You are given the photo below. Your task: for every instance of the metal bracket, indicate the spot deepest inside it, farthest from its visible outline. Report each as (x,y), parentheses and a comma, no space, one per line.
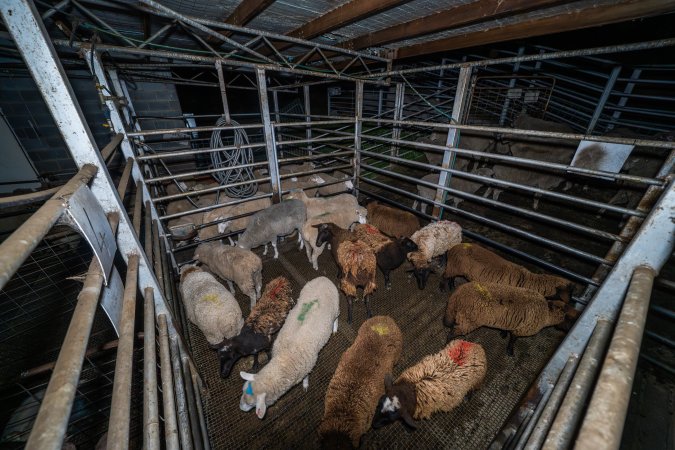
(85,214)
(111,299)
(601,156)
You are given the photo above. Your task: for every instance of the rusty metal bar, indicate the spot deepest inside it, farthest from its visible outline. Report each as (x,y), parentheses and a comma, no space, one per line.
(51,422)
(150,405)
(120,407)
(159,273)
(124,180)
(138,208)
(168,401)
(19,245)
(604,421)
(567,419)
(148,231)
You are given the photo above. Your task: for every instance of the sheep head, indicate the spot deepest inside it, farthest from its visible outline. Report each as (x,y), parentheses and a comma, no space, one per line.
(249,400)
(397,402)
(407,244)
(324,235)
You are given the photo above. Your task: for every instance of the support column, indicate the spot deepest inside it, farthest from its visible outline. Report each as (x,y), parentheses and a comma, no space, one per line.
(270,144)
(308,119)
(223,92)
(603,99)
(461,96)
(624,99)
(358,124)
(398,115)
(512,84)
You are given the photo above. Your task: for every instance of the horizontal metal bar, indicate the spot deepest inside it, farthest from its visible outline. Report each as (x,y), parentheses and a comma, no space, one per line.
(203,172)
(191,130)
(205,191)
(309,141)
(477,198)
(663,311)
(660,339)
(314,123)
(508,184)
(495,224)
(19,245)
(220,205)
(316,156)
(174,154)
(528,162)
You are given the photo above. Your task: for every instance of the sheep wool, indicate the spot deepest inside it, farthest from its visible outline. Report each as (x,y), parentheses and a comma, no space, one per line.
(521,311)
(442,380)
(476,263)
(209,305)
(359,266)
(371,236)
(269,313)
(392,221)
(356,386)
(296,349)
(433,240)
(224,212)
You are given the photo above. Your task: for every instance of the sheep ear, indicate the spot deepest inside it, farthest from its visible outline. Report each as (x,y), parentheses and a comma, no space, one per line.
(388,382)
(260,406)
(247,376)
(407,419)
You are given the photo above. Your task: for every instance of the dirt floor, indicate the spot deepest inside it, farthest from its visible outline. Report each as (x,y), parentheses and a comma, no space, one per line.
(293,420)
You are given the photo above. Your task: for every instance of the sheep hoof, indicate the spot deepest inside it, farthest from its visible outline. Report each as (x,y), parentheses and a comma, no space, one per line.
(305,383)
(335,326)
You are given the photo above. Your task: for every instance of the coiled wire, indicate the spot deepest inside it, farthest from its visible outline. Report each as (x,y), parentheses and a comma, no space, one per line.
(231,158)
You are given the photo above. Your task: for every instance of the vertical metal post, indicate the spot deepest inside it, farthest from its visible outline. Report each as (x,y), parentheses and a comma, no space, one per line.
(192,405)
(138,208)
(159,273)
(624,99)
(398,115)
(200,410)
(308,119)
(272,162)
(461,97)
(512,84)
(380,97)
(603,424)
(148,232)
(223,91)
(603,98)
(120,407)
(181,402)
(168,400)
(358,124)
(150,406)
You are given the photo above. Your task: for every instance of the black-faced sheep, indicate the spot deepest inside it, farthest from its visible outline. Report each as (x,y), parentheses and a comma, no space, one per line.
(392,221)
(209,305)
(518,311)
(233,264)
(356,386)
(433,240)
(476,263)
(439,382)
(265,319)
(274,221)
(389,253)
(296,349)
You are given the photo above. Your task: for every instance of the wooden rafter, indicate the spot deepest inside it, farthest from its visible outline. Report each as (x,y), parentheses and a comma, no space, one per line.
(582,17)
(245,12)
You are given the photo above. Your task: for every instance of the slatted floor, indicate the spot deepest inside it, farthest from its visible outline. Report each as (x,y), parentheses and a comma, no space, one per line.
(292,422)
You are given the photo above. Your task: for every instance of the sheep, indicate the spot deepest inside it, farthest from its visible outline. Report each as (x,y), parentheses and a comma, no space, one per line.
(439,382)
(343,219)
(389,253)
(457,183)
(233,264)
(476,263)
(296,349)
(265,319)
(335,187)
(517,311)
(356,261)
(321,205)
(466,141)
(392,221)
(356,386)
(209,305)
(270,223)
(433,240)
(224,212)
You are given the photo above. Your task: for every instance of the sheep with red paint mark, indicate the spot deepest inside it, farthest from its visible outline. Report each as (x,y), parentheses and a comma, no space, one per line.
(439,382)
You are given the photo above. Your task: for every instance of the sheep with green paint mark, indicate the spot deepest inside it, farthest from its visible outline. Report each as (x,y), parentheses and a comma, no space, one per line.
(296,349)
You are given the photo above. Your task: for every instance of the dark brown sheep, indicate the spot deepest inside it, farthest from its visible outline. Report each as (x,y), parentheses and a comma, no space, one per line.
(392,221)
(356,386)
(476,263)
(358,267)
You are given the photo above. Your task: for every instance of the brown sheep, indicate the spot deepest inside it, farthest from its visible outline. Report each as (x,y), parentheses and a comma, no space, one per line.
(392,221)
(518,311)
(358,266)
(439,382)
(371,236)
(476,263)
(356,386)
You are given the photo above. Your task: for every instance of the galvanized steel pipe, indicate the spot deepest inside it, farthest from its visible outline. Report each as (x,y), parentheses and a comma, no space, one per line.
(184,430)
(150,405)
(168,400)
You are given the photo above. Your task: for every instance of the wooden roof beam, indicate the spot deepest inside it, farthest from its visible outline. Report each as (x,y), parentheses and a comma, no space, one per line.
(245,12)
(458,16)
(578,18)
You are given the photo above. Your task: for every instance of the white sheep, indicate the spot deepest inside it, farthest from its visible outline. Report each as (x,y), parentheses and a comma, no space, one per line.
(270,223)
(457,183)
(321,205)
(433,240)
(296,349)
(209,305)
(231,226)
(335,186)
(233,264)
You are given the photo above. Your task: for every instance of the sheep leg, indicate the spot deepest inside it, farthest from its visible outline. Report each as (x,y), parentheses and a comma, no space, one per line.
(265,251)
(366,300)
(535,203)
(231,241)
(335,326)
(231,286)
(414,205)
(510,345)
(423,208)
(253,300)
(305,383)
(349,310)
(387,281)
(300,240)
(256,366)
(276,252)
(503,334)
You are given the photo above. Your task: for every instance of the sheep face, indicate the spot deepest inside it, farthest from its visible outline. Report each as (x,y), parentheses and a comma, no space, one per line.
(228,355)
(392,405)
(324,234)
(407,245)
(249,400)
(246,343)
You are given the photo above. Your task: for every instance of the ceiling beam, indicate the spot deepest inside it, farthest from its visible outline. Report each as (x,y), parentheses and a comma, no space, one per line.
(458,16)
(245,12)
(578,18)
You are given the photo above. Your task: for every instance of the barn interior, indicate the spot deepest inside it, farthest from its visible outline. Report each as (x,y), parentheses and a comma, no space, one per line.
(134,131)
